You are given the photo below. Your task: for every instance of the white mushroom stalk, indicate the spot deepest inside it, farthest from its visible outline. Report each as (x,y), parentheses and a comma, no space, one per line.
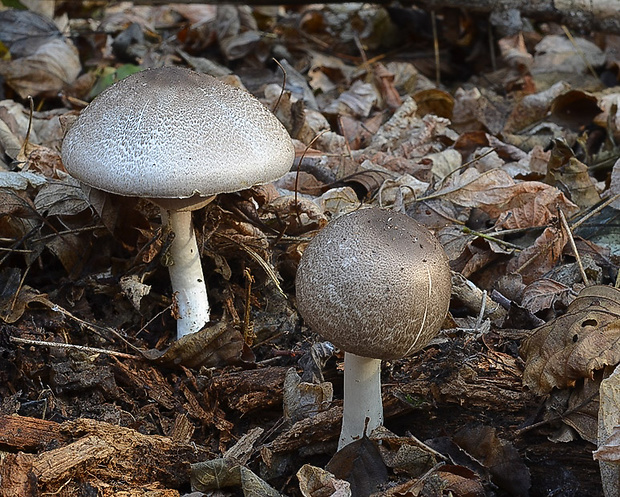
(186,276)
(363,407)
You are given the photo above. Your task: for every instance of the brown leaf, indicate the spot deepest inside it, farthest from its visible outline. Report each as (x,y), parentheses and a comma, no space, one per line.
(24,31)
(215,345)
(515,52)
(574,109)
(53,66)
(556,53)
(533,108)
(499,456)
(582,409)
(609,451)
(358,100)
(434,101)
(221,473)
(574,345)
(477,110)
(385,81)
(540,257)
(316,482)
(518,205)
(284,213)
(58,198)
(12,307)
(544,293)
(361,465)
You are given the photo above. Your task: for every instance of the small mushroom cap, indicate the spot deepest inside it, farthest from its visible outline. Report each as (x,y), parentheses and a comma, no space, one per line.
(375,283)
(174,133)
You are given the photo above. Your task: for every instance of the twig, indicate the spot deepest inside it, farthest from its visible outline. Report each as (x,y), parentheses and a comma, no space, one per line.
(19,287)
(464,166)
(483,306)
(491,238)
(556,417)
(261,262)
(248,332)
(436,49)
(298,170)
(94,328)
(579,51)
(596,211)
(277,104)
(571,240)
(81,348)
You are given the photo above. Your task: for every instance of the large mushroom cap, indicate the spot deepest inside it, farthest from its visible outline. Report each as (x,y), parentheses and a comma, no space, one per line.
(174,133)
(375,283)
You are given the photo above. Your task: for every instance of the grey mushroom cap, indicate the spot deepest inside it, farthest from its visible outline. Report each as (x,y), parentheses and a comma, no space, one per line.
(174,133)
(375,283)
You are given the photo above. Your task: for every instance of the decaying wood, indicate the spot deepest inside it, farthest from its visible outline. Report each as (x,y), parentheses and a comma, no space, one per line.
(107,456)
(22,433)
(323,427)
(246,391)
(472,297)
(596,15)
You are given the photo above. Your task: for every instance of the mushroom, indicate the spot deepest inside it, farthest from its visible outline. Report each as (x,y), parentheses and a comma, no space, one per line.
(177,138)
(377,285)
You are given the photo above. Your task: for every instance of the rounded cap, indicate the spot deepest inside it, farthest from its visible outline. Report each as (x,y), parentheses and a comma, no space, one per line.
(174,133)
(375,283)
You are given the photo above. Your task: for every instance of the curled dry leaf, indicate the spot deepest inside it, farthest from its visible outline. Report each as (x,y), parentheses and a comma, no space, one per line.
(358,100)
(609,450)
(53,66)
(405,455)
(614,187)
(295,217)
(434,101)
(541,257)
(574,109)
(361,464)
(499,456)
(574,345)
(476,110)
(544,294)
(533,108)
(385,81)
(213,346)
(582,408)
(608,436)
(316,482)
(221,473)
(556,53)
(518,205)
(13,306)
(304,399)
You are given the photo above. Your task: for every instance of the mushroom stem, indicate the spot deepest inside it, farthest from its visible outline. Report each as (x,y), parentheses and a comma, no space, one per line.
(188,282)
(363,407)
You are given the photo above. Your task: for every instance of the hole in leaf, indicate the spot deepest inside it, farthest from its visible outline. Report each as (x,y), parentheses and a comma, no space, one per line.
(589,322)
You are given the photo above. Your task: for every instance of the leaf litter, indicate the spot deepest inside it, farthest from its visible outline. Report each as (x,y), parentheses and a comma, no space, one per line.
(511,157)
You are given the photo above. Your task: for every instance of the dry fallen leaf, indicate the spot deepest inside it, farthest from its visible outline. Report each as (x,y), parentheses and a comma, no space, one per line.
(316,482)
(576,344)
(221,473)
(53,66)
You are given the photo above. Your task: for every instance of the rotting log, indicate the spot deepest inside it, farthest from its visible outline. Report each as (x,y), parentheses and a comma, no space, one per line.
(593,15)
(21,433)
(108,457)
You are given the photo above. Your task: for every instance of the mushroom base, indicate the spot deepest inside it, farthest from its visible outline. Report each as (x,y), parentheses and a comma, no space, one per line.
(363,406)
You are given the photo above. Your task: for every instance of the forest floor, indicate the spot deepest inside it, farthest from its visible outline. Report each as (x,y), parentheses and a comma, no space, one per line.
(499,135)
